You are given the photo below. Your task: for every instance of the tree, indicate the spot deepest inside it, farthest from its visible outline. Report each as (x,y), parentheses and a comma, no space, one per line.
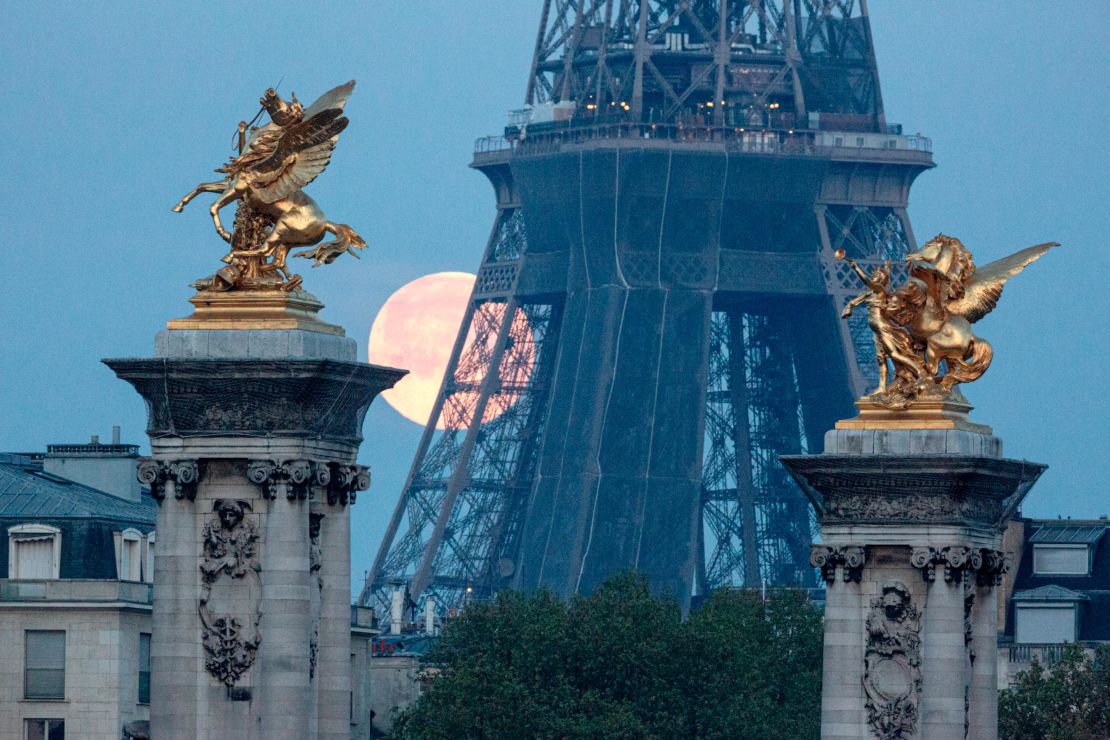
(1069,700)
(621,663)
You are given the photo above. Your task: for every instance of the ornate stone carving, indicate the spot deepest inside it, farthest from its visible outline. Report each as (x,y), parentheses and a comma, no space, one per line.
(230,640)
(996,564)
(184,473)
(895,508)
(298,476)
(827,557)
(315,561)
(892,667)
(959,562)
(345,482)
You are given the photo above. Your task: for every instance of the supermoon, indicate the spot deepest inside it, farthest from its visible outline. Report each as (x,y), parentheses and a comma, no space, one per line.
(416,330)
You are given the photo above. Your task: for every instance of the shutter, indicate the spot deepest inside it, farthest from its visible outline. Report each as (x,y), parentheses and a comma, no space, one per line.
(34,557)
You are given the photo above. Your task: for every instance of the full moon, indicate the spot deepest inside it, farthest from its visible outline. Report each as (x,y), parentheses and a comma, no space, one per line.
(416,329)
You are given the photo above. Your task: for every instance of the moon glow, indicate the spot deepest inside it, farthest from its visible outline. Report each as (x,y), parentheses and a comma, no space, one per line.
(416,329)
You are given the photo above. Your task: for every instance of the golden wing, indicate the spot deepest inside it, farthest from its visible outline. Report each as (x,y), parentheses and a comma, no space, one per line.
(334,98)
(982,293)
(304,149)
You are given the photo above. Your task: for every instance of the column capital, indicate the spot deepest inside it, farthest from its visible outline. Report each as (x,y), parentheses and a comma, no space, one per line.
(298,477)
(185,475)
(827,557)
(959,562)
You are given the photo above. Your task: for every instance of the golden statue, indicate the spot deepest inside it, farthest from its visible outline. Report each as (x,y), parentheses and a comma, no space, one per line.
(923,329)
(274,216)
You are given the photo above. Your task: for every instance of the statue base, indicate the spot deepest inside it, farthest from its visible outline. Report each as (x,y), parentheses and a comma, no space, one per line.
(950,412)
(256,309)
(911,551)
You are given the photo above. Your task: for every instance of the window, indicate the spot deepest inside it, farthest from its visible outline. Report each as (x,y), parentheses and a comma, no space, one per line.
(1059,559)
(1045,623)
(129,558)
(45,729)
(144,668)
(34,551)
(44,665)
(859,141)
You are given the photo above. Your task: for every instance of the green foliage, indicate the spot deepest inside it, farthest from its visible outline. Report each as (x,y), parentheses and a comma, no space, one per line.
(1069,700)
(621,663)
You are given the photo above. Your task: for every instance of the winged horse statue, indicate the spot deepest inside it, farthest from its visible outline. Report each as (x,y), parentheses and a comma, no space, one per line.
(924,327)
(274,215)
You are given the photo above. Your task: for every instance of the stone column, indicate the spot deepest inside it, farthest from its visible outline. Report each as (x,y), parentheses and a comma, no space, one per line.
(253,431)
(842,715)
(918,514)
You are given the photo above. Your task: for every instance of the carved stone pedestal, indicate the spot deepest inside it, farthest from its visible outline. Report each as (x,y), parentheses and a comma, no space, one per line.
(911,524)
(254,435)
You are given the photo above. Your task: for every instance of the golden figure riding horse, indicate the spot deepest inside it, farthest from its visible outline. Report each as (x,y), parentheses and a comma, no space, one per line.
(266,179)
(932,314)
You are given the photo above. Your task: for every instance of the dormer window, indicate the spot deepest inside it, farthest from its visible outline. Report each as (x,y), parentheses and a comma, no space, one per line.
(130,546)
(34,551)
(1065,548)
(1058,559)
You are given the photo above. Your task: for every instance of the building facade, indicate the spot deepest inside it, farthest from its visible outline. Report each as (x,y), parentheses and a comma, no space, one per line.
(1057,593)
(75,593)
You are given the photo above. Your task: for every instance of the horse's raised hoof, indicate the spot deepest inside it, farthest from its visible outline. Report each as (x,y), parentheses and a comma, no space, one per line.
(178,208)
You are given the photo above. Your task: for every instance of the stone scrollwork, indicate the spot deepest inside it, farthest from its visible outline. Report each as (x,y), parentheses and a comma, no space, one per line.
(892,669)
(299,476)
(996,564)
(229,609)
(185,475)
(827,557)
(959,562)
(345,482)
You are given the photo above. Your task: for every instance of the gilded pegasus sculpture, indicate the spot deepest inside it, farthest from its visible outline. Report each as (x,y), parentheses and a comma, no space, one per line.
(274,215)
(922,330)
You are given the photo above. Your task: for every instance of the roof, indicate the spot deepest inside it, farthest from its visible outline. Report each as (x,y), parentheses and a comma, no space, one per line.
(1069,532)
(1049,593)
(27,492)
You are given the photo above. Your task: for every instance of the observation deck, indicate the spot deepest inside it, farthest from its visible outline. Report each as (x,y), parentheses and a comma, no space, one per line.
(845,146)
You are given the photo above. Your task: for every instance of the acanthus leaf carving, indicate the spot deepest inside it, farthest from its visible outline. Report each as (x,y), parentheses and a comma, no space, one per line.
(345,482)
(959,562)
(185,475)
(827,557)
(298,476)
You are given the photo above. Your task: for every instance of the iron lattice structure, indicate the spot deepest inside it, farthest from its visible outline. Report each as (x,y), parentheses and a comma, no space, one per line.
(655,317)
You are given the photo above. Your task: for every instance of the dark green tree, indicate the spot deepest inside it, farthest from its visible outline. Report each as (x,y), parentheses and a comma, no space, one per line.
(621,663)
(1069,700)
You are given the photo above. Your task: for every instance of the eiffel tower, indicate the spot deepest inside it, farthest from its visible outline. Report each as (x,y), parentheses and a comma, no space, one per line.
(656,315)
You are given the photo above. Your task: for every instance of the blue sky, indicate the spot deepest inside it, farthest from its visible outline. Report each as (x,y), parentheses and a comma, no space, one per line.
(111,112)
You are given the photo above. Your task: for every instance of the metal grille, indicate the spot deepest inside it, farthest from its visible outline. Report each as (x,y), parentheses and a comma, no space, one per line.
(756,526)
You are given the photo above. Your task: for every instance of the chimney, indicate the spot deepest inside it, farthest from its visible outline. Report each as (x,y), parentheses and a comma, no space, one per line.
(109,468)
(429,616)
(397,611)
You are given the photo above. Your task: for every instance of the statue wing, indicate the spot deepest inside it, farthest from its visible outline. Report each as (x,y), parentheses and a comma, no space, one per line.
(304,150)
(301,155)
(334,98)
(982,293)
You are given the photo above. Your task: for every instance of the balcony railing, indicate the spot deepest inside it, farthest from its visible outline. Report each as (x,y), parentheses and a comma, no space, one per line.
(734,139)
(1047,653)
